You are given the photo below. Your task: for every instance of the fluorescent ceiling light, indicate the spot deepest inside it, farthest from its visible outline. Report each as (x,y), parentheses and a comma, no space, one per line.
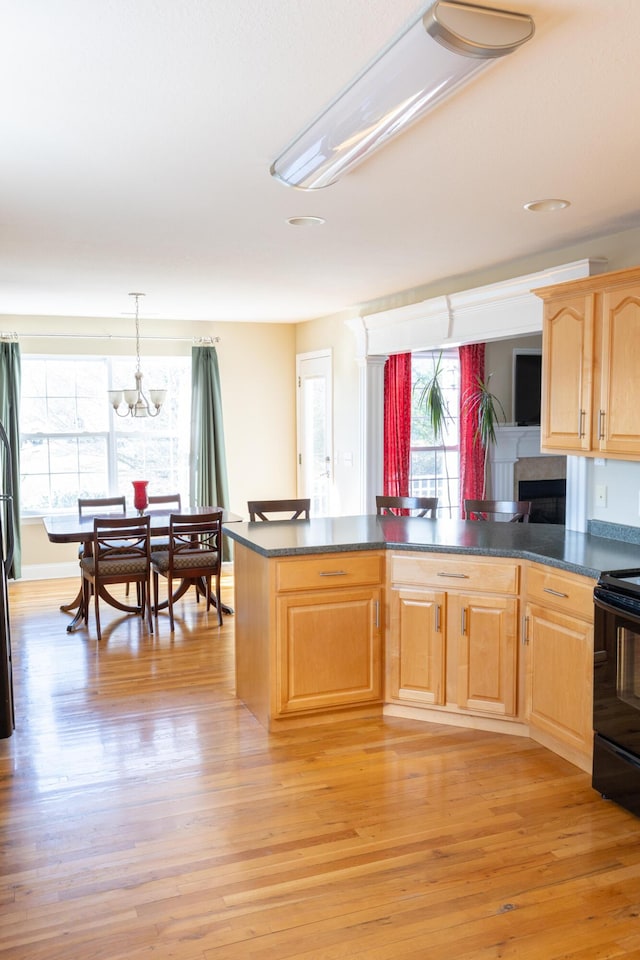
(435,55)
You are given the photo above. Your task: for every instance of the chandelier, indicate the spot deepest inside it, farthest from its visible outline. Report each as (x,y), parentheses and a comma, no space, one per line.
(137,403)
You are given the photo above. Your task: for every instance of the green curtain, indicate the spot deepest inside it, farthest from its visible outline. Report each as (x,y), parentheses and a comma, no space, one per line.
(9,417)
(208,462)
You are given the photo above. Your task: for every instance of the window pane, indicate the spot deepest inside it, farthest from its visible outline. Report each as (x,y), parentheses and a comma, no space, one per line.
(72,444)
(435,468)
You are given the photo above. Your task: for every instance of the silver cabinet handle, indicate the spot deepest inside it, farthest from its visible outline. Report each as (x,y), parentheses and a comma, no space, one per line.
(377,606)
(555,593)
(463,621)
(457,576)
(333,573)
(525,630)
(601,425)
(581,415)
(437,618)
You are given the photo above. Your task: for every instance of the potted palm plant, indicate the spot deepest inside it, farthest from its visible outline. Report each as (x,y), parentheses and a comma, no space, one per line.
(486,411)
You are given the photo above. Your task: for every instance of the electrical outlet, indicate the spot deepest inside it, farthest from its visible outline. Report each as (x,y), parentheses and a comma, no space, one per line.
(601,495)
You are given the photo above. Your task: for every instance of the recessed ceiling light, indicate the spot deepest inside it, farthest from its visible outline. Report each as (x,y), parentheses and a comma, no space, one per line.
(305,221)
(546,206)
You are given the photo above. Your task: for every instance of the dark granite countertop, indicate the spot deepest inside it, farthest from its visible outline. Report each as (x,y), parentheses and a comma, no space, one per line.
(581,553)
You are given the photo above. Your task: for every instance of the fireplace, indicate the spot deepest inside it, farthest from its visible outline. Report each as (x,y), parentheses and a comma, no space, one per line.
(548,499)
(517,464)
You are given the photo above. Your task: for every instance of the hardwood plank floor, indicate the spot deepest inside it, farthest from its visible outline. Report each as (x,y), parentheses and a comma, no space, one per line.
(146,814)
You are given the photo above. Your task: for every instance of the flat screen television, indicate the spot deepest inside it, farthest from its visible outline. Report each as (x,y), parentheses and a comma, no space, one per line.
(527,380)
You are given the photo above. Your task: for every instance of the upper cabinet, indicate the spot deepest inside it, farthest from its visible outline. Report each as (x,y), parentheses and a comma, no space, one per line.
(591,366)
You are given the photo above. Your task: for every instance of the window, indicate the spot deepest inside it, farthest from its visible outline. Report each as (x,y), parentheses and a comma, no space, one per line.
(73,445)
(435,461)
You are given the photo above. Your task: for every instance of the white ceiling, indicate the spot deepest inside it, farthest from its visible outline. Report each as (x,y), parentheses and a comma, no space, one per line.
(137,138)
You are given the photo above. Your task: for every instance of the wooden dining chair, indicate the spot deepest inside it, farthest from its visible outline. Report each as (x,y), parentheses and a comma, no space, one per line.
(120,554)
(99,507)
(298,509)
(417,506)
(510,511)
(194,557)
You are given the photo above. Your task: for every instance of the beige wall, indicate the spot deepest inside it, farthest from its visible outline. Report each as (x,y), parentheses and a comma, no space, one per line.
(257,373)
(333,334)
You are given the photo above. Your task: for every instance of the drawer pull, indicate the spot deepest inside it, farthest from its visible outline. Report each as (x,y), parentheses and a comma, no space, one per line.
(456,576)
(333,573)
(555,593)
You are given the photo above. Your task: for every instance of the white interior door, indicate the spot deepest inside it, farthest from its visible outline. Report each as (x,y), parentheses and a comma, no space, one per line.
(315,430)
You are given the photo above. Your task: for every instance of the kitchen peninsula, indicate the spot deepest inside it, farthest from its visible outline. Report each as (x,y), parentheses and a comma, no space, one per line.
(487,625)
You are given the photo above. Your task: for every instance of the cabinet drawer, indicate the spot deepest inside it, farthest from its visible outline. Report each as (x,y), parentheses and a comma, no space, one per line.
(449,571)
(565,591)
(329,571)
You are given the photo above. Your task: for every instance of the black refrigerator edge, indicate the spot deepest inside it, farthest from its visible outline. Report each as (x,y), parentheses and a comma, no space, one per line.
(7,717)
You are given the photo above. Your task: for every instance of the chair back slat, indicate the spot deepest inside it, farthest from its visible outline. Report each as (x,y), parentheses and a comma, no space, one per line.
(89,506)
(120,537)
(509,511)
(298,509)
(166,500)
(407,506)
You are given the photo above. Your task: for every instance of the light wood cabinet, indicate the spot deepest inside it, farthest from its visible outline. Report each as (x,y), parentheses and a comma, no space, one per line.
(591,366)
(558,635)
(309,634)
(454,647)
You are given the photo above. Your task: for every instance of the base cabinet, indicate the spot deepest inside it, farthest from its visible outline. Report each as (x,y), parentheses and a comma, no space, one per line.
(329,649)
(309,634)
(558,635)
(453,649)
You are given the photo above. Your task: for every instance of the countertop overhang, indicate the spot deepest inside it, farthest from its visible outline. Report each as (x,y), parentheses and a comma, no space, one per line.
(550,544)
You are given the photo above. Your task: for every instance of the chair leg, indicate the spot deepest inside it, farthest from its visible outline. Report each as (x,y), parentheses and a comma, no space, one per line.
(97,609)
(145,598)
(218,600)
(170,593)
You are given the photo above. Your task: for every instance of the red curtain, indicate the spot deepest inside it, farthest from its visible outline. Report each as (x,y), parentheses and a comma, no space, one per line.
(397,425)
(471,454)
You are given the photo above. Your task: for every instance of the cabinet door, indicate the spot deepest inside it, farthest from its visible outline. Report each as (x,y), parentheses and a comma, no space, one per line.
(328,649)
(618,421)
(417,649)
(567,386)
(560,677)
(486,629)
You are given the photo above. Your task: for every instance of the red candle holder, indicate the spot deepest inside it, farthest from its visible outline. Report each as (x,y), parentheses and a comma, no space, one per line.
(140,498)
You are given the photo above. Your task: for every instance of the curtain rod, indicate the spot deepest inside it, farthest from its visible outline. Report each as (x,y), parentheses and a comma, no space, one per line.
(197,341)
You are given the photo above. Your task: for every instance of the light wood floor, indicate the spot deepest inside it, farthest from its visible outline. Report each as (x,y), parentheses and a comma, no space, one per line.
(146,815)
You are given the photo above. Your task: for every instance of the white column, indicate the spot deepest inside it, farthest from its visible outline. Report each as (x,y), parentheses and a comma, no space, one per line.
(576,510)
(371,430)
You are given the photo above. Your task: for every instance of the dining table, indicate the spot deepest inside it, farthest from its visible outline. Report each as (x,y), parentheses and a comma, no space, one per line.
(73,528)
